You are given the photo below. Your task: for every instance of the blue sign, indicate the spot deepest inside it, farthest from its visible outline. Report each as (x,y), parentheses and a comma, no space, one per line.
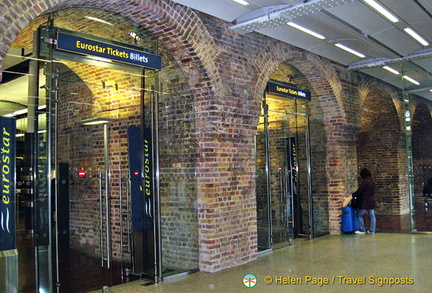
(288,91)
(86,46)
(7,184)
(141,174)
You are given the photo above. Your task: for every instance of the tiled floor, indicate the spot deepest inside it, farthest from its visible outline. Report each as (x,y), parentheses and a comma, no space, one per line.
(349,263)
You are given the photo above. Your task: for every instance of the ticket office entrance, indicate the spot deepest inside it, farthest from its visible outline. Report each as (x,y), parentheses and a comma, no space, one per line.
(284,200)
(86,118)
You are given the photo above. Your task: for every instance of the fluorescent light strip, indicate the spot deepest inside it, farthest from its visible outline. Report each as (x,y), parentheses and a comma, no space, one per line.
(394,71)
(384,12)
(411,80)
(305,30)
(416,36)
(98,20)
(354,52)
(242,2)
(95,122)
(23,111)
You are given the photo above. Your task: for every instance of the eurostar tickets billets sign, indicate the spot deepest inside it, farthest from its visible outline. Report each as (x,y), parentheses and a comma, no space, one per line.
(122,54)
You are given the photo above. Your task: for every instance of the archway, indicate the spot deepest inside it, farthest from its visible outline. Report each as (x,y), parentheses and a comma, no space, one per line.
(288,140)
(381,149)
(422,160)
(86,90)
(328,113)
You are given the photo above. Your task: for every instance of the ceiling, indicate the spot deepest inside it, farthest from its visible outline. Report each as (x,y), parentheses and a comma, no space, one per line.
(352,23)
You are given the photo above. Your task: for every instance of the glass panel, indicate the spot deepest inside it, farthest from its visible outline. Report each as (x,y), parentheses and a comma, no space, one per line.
(263,204)
(419,149)
(93,159)
(90,214)
(96,104)
(178,198)
(284,189)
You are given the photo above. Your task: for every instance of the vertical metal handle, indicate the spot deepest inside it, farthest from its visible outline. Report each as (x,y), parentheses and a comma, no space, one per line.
(107,199)
(101,246)
(292,190)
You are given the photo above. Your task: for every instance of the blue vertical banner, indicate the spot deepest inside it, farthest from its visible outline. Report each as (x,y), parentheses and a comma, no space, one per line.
(7,184)
(148,180)
(135,151)
(141,174)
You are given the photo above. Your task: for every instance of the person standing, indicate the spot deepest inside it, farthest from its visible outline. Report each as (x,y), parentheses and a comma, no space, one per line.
(366,192)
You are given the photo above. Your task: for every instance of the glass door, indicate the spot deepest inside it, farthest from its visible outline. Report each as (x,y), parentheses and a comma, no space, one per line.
(283,176)
(83,232)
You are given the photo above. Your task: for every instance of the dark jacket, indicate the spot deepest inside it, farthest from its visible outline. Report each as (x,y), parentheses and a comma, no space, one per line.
(367,191)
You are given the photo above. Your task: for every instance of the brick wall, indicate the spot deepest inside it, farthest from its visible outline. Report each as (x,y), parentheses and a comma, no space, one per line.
(381,148)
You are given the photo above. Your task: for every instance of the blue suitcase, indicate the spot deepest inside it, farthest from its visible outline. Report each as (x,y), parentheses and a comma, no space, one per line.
(349,220)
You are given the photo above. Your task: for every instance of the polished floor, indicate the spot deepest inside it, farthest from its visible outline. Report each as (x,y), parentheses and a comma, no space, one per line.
(383,262)
(349,263)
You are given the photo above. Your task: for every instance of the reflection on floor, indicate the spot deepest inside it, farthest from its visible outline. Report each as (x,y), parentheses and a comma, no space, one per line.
(79,272)
(83,273)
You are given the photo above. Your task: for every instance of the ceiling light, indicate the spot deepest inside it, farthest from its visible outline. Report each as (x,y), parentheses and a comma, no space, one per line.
(16,113)
(23,111)
(394,71)
(411,80)
(98,20)
(242,2)
(305,30)
(378,7)
(135,36)
(416,36)
(354,52)
(96,120)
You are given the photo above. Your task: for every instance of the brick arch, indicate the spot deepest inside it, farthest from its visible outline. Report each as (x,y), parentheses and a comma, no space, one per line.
(320,74)
(370,85)
(179,29)
(329,92)
(381,149)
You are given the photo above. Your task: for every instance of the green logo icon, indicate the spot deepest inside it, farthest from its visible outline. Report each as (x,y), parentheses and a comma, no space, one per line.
(249,280)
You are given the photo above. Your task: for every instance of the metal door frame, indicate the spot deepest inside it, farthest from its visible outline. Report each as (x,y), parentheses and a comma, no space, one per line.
(43,255)
(265,108)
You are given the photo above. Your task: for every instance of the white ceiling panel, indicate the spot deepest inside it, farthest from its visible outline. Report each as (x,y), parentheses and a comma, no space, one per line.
(223,9)
(295,37)
(350,22)
(398,41)
(361,17)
